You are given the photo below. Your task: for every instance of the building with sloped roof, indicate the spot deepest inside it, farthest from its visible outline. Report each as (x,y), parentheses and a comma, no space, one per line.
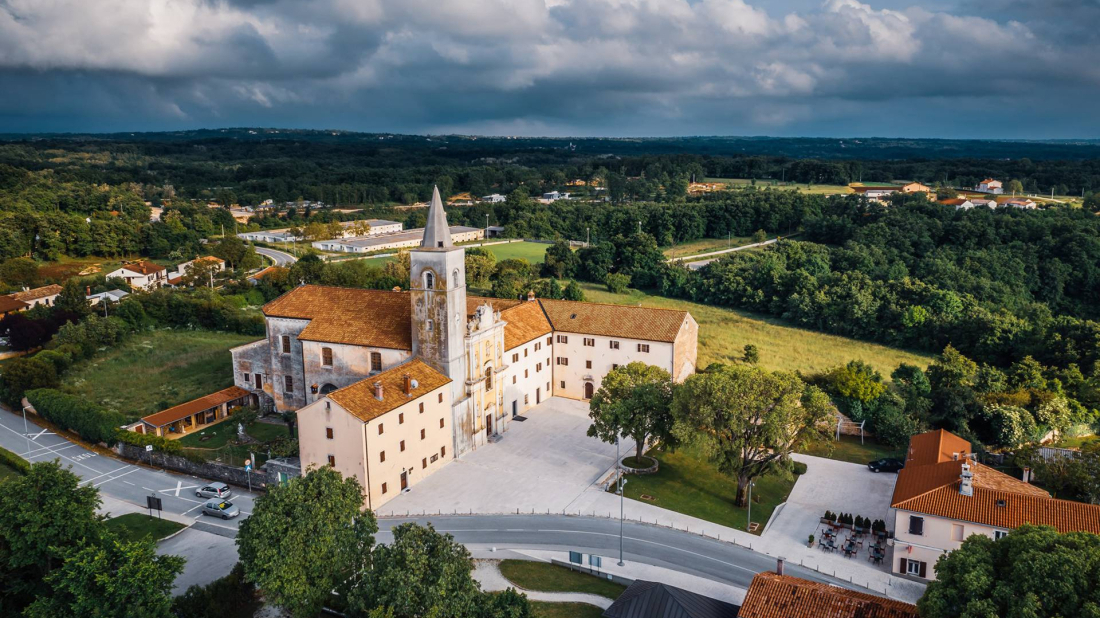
(476,363)
(645,599)
(943,495)
(772,595)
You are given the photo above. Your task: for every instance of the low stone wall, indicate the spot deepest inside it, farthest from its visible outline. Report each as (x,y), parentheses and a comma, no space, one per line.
(642,471)
(208,470)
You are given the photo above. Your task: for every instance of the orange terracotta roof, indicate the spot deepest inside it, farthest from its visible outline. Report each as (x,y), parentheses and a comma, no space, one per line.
(267,271)
(144,267)
(782,596)
(36,293)
(525,322)
(359,400)
(173,414)
(9,304)
(644,323)
(934,447)
(210,258)
(175,280)
(954,202)
(375,318)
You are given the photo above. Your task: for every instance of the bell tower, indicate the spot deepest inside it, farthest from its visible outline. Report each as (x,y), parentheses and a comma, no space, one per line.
(437,272)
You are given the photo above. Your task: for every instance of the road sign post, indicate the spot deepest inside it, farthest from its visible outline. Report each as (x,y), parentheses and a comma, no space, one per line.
(248,471)
(153,502)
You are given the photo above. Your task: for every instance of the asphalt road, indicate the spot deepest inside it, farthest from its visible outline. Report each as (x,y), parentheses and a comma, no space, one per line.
(280,258)
(118,479)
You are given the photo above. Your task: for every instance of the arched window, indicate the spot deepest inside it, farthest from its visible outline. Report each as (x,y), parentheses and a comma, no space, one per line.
(488,378)
(454,278)
(429,281)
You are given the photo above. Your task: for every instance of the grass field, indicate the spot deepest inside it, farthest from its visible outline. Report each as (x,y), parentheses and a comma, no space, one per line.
(723,334)
(66,267)
(136,526)
(804,188)
(687,483)
(156,370)
(849,449)
(7,472)
(220,434)
(533,252)
(543,609)
(706,245)
(546,577)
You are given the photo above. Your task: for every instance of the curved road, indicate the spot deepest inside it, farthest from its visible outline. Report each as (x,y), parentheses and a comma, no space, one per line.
(280,258)
(673,549)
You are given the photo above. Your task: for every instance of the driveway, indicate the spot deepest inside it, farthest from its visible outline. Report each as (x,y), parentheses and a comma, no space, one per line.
(540,465)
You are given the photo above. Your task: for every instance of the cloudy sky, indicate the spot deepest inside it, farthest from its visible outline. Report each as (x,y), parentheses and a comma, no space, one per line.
(920,68)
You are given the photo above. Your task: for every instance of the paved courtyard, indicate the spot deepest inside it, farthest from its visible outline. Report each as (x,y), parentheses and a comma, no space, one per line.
(542,464)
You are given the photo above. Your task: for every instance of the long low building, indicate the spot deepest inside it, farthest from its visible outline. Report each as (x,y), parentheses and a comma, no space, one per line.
(404,240)
(378,227)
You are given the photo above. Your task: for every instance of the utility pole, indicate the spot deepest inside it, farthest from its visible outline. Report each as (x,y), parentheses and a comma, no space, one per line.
(622,483)
(748,526)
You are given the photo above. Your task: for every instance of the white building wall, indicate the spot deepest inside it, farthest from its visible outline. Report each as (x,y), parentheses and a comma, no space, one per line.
(350,363)
(940,536)
(590,363)
(527,375)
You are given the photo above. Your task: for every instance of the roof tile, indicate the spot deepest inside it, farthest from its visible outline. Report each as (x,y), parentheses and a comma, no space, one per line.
(359,400)
(646,323)
(781,596)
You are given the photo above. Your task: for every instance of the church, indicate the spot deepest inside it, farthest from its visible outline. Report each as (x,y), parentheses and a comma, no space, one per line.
(389,386)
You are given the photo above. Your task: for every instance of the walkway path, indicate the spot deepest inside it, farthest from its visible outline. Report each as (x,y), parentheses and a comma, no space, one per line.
(695,262)
(488,574)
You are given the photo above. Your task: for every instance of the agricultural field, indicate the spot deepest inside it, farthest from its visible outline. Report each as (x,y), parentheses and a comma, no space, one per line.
(67,267)
(775,184)
(155,370)
(533,252)
(724,333)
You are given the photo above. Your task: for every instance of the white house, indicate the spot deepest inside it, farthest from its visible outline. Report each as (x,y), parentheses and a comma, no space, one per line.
(45,295)
(495,198)
(181,271)
(142,275)
(1021,203)
(991,186)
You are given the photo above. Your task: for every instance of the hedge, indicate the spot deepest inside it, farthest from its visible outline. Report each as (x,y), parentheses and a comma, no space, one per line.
(163,445)
(92,422)
(14,461)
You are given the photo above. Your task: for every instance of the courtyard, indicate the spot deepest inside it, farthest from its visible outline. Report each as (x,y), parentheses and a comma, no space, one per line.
(544,463)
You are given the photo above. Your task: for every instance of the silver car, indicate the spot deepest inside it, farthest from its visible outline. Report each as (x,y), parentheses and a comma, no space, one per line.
(220,508)
(214,490)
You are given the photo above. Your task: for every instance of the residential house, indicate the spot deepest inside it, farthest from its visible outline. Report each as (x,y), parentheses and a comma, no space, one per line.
(176,278)
(658,600)
(142,275)
(404,240)
(1020,202)
(553,196)
(943,495)
(11,305)
(45,295)
(980,202)
(916,187)
(958,203)
(875,193)
(774,595)
(178,421)
(991,186)
(495,198)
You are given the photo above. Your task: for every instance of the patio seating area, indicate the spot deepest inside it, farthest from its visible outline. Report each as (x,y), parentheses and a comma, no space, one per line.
(854,543)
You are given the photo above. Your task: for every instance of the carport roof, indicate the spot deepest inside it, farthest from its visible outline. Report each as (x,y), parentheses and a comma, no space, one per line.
(175,413)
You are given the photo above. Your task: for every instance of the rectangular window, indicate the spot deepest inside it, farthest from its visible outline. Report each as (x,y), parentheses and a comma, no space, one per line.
(916,525)
(525,373)
(376,361)
(614,345)
(380,428)
(402,446)
(400,418)
(326,357)
(549,340)
(328,432)
(286,344)
(247,377)
(421,434)
(441,423)
(435,457)
(513,379)
(591,343)
(587,364)
(956,532)
(442,451)
(421,407)
(538,366)
(515,357)
(440,397)
(526,400)
(563,361)
(643,347)
(332,461)
(524,352)
(999,534)
(259,381)
(383,488)
(424,463)
(563,383)
(288,384)
(382,456)
(914,567)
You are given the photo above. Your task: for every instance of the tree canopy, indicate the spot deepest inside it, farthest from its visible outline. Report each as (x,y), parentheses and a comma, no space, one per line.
(634,400)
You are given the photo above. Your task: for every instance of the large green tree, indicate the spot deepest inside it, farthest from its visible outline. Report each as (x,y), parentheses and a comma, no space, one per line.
(43,515)
(748,420)
(112,579)
(1034,572)
(303,539)
(633,400)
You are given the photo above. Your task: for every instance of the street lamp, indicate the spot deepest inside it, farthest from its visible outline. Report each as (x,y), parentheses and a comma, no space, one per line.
(749,524)
(622,485)
(26,431)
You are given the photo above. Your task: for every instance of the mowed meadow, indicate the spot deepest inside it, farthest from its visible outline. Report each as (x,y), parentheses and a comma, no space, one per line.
(724,333)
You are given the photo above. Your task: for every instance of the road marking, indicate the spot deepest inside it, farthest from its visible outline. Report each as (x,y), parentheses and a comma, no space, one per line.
(92,478)
(39,434)
(43,451)
(114,478)
(129,483)
(192,509)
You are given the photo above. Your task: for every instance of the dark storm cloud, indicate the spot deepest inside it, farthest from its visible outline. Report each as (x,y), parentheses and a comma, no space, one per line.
(981,68)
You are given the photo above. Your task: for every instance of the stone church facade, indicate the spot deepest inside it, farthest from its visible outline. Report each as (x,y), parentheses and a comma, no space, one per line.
(390,385)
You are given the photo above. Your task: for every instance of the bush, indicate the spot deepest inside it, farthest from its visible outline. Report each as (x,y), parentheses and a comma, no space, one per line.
(59,359)
(24,374)
(229,597)
(92,422)
(143,439)
(616,283)
(798,468)
(14,461)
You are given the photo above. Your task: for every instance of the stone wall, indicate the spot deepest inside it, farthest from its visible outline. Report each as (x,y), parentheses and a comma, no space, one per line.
(211,471)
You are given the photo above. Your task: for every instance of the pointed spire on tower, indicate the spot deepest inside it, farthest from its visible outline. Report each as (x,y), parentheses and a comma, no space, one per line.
(437,234)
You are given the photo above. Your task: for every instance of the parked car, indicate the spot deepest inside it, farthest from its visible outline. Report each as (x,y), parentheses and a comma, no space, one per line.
(214,490)
(220,508)
(888,464)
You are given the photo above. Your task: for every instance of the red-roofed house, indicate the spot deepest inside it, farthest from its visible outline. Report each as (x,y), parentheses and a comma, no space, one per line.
(991,186)
(943,496)
(141,275)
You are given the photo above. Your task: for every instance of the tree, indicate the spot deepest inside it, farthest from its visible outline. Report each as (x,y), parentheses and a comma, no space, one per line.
(25,374)
(1015,187)
(301,540)
(759,236)
(73,299)
(752,354)
(560,262)
(1034,572)
(480,264)
(633,400)
(857,381)
(310,268)
(43,515)
(616,283)
(747,420)
(19,272)
(111,579)
(573,291)
(201,273)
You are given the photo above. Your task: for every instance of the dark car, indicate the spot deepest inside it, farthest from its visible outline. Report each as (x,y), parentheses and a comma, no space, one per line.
(886,465)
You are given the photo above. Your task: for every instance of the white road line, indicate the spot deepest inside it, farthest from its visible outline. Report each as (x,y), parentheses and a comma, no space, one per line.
(115,478)
(192,509)
(61,456)
(32,454)
(129,483)
(39,434)
(92,478)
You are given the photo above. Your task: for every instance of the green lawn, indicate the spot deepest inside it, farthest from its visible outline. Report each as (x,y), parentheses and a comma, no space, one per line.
(1075,441)
(723,334)
(136,526)
(221,433)
(156,370)
(533,252)
(802,187)
(7,472)
(543,609)
(849,449)
(267,432)
(688,484)
(546,577)
(706,245)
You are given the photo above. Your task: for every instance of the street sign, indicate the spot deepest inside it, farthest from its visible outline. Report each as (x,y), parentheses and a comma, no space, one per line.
(148,448)
(151,503)
(575,557)
(595,561)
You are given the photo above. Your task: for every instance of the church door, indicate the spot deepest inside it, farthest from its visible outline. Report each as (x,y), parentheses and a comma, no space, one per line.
(404,480)
(488,425)
(538,395)
(515,408)
(588,390)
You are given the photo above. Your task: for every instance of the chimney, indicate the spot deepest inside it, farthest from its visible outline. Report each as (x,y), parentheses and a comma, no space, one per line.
(87,290)
(530,295)
(779,565)
(966,487)
(378,391)
(407,381)
(1027,475)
